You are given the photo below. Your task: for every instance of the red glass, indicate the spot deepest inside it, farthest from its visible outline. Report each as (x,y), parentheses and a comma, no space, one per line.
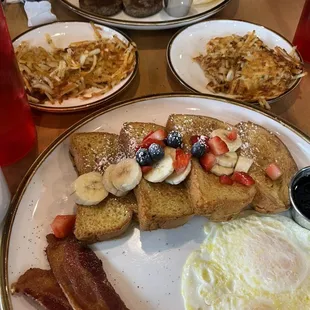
(17,130)
(302,35)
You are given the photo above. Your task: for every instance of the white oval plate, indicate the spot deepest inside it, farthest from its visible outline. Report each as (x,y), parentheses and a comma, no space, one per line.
(144,267)
(159,21)
(64,33)
(191,41)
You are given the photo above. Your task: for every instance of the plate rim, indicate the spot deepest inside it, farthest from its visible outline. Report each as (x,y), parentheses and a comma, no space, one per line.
(177,76)
(143,25)
(5,301)
(59,109)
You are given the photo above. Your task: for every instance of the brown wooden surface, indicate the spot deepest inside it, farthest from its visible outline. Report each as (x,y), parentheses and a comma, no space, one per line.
(154,76)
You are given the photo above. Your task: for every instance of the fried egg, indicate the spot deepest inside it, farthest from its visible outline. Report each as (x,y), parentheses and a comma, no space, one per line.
(252,263)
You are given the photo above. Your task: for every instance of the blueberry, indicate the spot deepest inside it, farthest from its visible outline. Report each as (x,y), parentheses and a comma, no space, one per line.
(174,139)
(156,152)
(143,157)
(198,149)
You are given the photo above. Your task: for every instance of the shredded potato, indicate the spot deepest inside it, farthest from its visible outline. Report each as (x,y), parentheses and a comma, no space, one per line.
(246,69)
(84,69)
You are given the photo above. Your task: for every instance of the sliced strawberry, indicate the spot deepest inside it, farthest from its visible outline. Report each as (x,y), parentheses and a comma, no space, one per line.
(217,146)
(182,160)
(196,138)
(148,135)
(233,134)
(207,161)
(273,171)
(63,225)
(159,134)
(146,169)
(147,142)
(243,178)
(225,179)
(153,137)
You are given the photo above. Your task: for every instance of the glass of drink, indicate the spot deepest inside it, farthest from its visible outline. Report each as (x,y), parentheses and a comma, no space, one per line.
(302,35)
(17,130)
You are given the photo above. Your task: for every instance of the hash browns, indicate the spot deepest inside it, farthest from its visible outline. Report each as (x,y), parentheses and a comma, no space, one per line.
(244,68)
(84,69)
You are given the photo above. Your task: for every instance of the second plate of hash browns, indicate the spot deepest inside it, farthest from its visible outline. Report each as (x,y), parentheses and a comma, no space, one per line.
(74,65)
(235,59)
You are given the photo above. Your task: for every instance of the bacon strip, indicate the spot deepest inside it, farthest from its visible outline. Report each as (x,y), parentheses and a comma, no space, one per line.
(42,286)
(80,274)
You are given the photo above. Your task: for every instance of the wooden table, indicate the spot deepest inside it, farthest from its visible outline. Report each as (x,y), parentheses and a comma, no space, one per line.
(154,76)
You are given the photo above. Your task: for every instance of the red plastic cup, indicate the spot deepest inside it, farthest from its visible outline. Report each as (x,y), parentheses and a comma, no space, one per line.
(17,130)
(302,35)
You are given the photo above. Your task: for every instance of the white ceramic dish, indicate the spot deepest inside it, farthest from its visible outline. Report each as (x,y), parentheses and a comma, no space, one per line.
(144,267)
(158,21)
(64,33)
(191,41)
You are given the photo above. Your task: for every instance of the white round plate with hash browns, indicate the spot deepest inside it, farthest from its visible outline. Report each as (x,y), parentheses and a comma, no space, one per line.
(62,34)
(191,42)
(144,267)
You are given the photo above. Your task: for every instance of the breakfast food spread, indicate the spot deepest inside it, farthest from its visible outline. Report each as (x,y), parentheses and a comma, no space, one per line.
(84,69)
(246,69)
(254,262)
(161,177)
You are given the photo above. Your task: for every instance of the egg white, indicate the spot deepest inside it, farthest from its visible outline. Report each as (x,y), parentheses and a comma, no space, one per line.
(252,263)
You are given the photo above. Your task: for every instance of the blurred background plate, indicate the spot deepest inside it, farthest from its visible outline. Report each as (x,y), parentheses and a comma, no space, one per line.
(158,21)
(64,33)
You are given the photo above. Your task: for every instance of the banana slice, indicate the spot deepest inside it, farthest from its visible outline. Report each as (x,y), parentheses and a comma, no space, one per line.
(126,175)
(170,151)
(227,160)
(219,170)
(108,183)
(233,146)
(175,178)
(161,170)
(89,189)
(243,164)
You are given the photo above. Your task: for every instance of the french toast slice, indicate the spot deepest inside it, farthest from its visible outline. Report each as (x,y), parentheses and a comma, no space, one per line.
(209,197)
(107,220)
(95,151)
(266,148)
(160,205)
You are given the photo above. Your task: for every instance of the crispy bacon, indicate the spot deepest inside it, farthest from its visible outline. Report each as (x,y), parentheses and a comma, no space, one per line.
(80,274)
(42,286)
